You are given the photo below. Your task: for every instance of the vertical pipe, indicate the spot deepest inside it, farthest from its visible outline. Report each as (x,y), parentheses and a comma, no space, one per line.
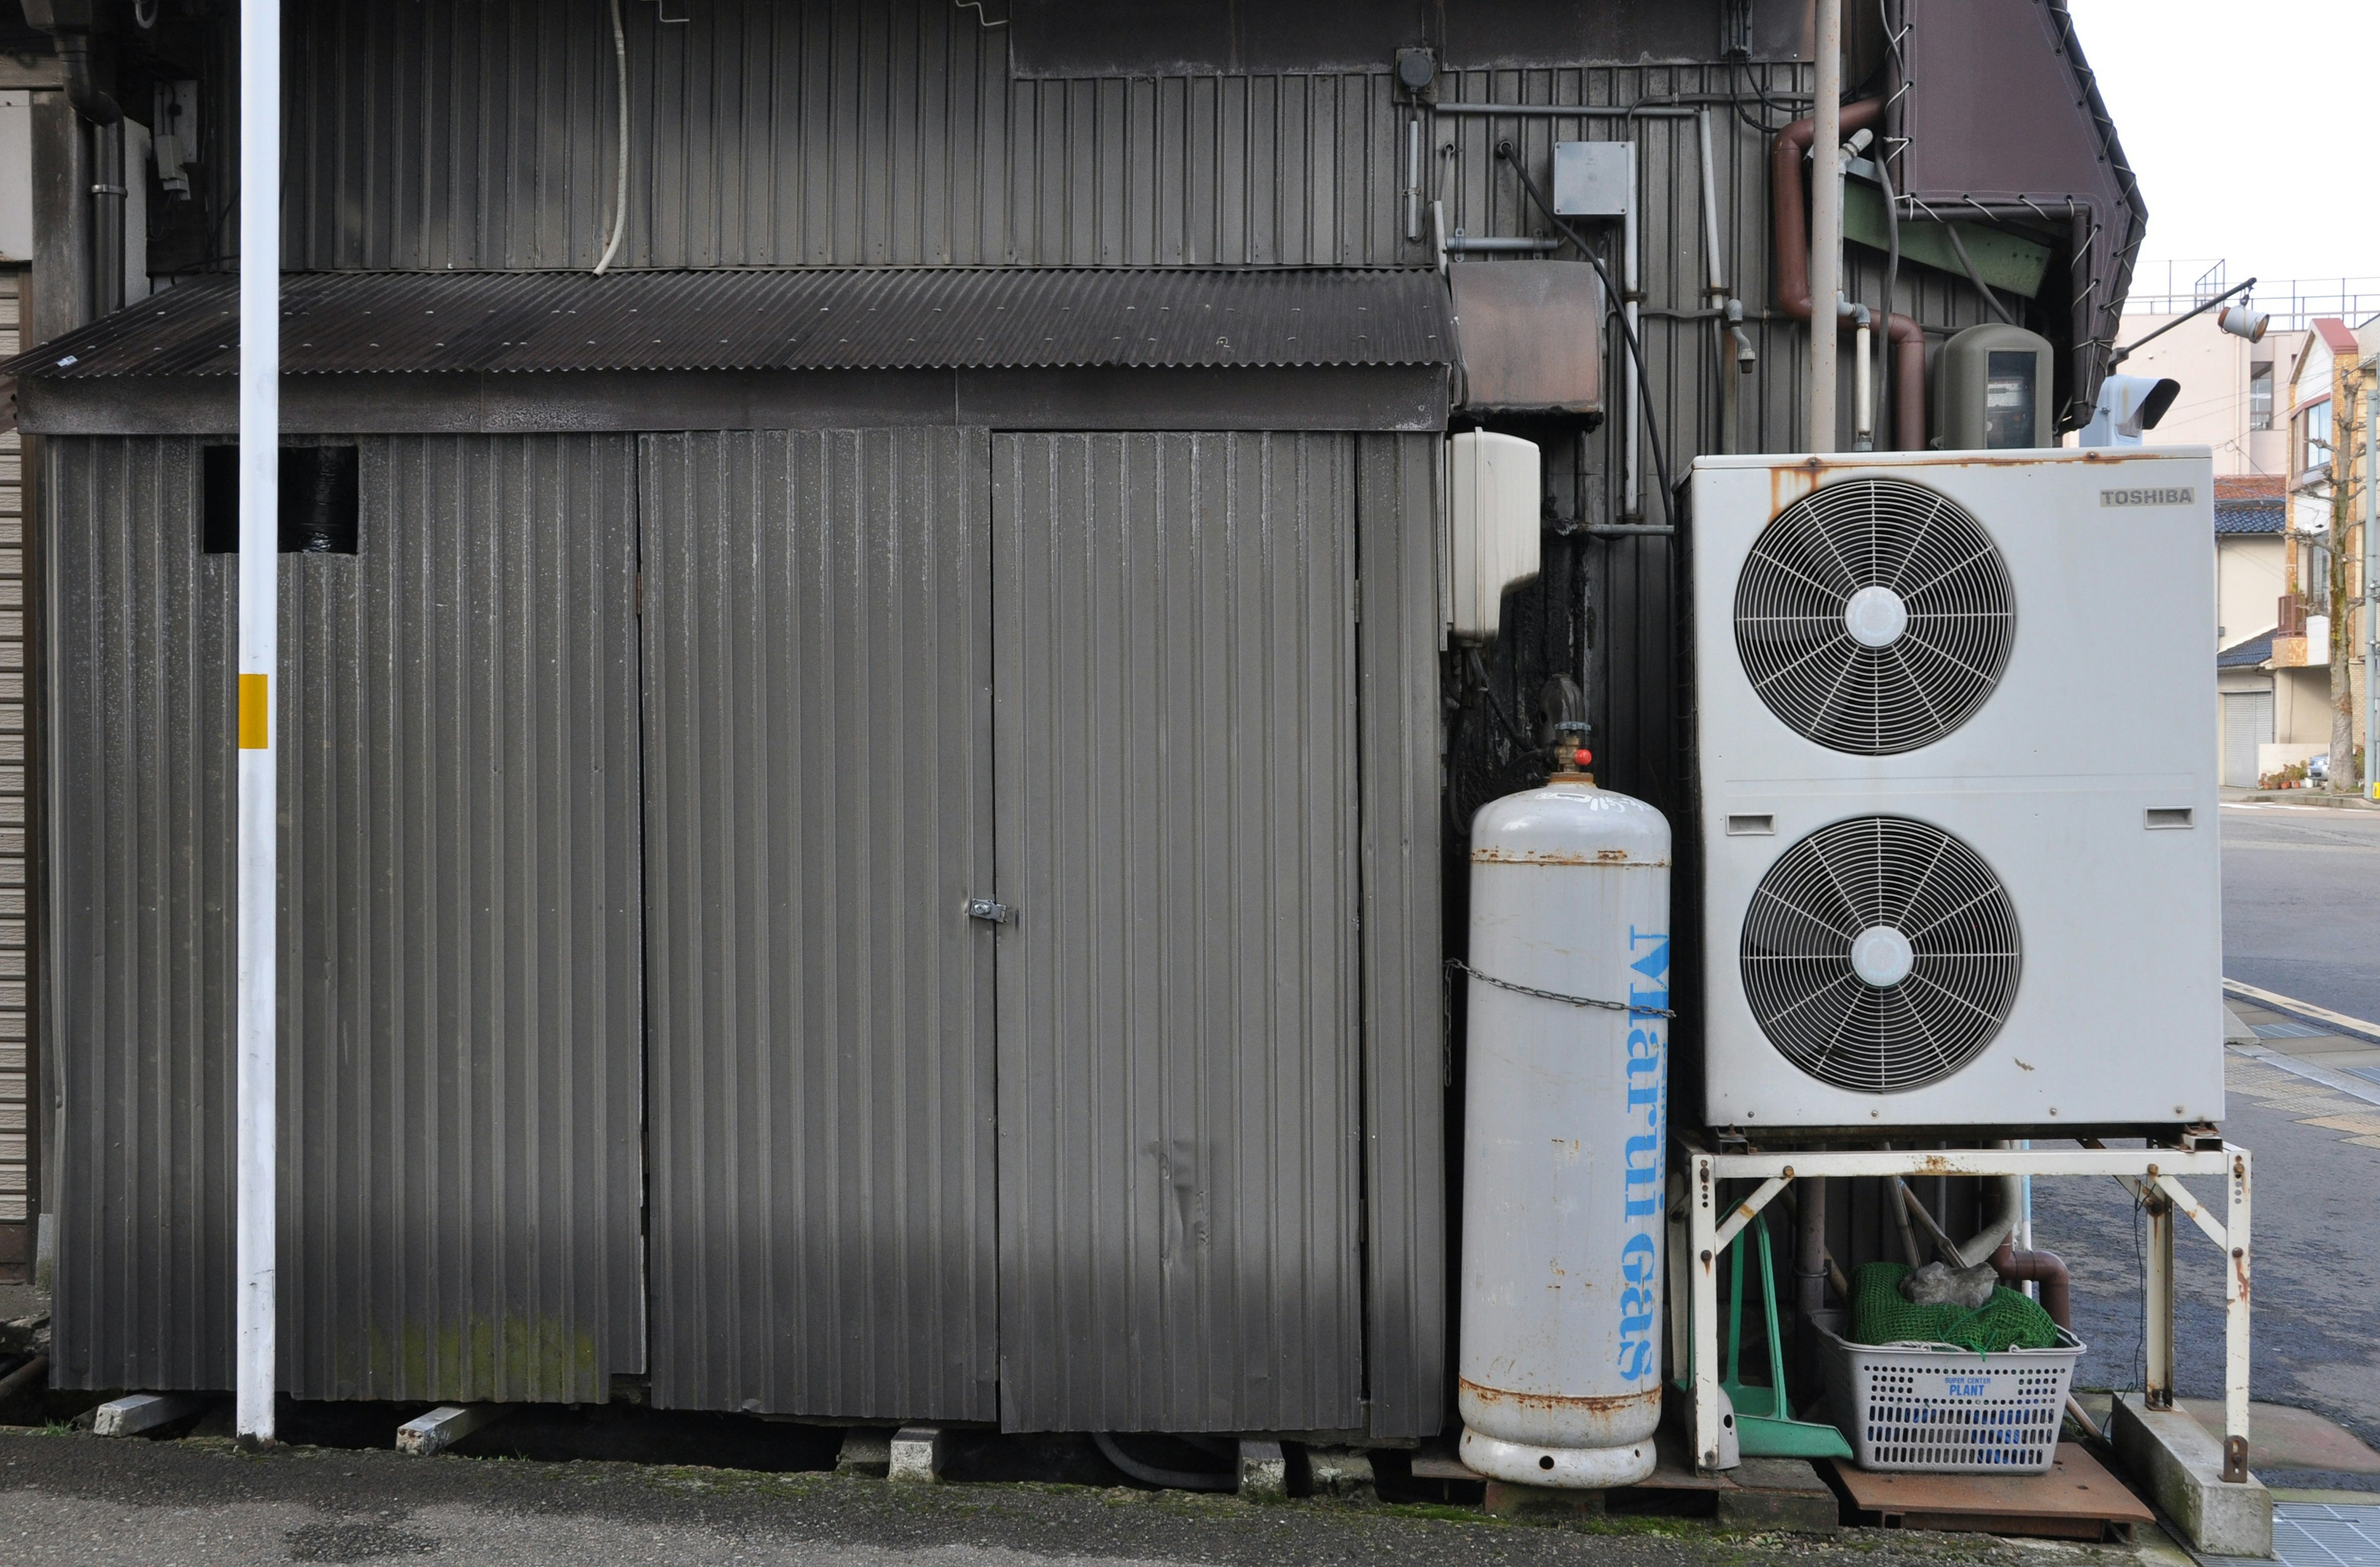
(1631,293)
(1715,295)
(2157,1302)
(1810,1273)
(1863,397)
(1413,176)
(1716,290)
(260,563)
(1825,225)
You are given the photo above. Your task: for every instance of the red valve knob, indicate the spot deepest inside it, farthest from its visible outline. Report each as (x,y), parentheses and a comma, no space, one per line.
(1585,755)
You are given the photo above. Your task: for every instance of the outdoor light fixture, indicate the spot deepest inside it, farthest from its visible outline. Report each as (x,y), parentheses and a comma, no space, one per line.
(2241,321)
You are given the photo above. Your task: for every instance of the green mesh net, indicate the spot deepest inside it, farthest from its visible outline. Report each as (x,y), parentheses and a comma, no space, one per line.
(1880,1316)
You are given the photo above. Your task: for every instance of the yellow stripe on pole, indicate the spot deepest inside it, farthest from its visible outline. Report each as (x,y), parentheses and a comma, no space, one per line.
(254,707)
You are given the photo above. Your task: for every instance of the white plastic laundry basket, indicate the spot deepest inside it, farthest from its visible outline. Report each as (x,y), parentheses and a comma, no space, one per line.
(1940,1409)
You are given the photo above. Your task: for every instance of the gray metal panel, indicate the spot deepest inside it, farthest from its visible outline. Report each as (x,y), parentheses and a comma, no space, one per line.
(818,766)
(142,962)
(1404,1061)
(454,134)
(1178,1076)
(462,991)
(849,319)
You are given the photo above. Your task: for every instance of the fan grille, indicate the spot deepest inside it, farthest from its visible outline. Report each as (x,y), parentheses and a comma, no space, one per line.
(1925,677)
(1892,874)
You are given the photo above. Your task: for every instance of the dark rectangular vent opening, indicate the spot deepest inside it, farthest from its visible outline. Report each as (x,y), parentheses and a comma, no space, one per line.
(321,500)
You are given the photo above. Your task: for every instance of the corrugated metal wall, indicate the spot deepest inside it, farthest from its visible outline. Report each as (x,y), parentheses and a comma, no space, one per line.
(462,1004)
(461,991)
(141,978)
(817,625)
(20,1150)
(450,134)
(1180,1105)
(1404,1107)
(832,133)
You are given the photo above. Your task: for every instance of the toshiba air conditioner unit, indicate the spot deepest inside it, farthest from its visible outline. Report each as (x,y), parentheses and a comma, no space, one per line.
(1955,721)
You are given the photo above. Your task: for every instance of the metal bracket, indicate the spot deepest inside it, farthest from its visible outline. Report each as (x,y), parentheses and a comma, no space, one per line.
(990,913)
(2235,1461)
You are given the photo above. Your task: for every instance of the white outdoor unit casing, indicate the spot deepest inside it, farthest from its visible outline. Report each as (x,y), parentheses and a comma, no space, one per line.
(1955,758)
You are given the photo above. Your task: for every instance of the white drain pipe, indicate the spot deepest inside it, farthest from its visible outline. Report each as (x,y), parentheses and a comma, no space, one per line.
(257,1240)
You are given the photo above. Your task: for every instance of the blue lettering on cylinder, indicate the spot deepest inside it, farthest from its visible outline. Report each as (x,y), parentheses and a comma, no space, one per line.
(1645,1160)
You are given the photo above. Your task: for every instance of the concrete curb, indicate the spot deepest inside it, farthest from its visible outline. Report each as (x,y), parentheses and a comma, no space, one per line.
(2316,797)
(2179,1462)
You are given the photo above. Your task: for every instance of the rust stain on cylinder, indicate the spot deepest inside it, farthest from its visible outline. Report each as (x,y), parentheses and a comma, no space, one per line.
(1608,1403)
(1616,859)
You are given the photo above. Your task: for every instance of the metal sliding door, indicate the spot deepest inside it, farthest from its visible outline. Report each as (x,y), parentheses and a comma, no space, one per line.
(1179,1087)
(816,632)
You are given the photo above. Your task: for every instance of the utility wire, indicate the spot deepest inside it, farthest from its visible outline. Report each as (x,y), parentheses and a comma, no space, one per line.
(620,193)
(1636,348)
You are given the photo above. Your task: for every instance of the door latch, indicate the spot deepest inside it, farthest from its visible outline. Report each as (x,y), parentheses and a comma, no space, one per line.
(989,912)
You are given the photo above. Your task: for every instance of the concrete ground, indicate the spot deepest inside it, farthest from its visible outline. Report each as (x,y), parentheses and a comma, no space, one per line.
(67,1498)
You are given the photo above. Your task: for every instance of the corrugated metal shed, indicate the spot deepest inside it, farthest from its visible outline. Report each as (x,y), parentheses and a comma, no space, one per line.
(908,319)
(817,633)
(1401,724)
(140,843)
(462,1005)
(1180,1086)
(462,930)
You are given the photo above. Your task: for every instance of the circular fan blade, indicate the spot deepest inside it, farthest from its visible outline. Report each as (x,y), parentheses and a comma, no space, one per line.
(1874,615)
(1880,954)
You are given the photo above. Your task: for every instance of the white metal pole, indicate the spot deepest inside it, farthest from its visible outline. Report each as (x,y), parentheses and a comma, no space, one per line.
(1825,225)
(260,563)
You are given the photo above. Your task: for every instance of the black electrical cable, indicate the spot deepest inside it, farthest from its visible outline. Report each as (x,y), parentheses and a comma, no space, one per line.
(1511,731)
(1628,333)
(1168,1479)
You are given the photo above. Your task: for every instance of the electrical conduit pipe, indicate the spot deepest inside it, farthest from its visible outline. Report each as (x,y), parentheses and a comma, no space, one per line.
(1787,198)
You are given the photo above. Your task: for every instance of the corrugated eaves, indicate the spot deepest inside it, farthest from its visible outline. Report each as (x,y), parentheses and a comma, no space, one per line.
(945,318)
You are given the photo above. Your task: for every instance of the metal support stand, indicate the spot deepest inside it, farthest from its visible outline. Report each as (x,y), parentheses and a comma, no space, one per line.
(2151,1174)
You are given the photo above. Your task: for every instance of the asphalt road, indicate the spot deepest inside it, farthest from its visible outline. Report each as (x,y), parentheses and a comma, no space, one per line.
(2300,911)
(73,1498)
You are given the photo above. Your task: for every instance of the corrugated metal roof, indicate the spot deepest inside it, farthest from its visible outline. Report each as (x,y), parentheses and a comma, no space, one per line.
(918,318)
(2256,515)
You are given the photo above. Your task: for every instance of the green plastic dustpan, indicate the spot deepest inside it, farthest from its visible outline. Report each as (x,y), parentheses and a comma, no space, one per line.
(1764,1427)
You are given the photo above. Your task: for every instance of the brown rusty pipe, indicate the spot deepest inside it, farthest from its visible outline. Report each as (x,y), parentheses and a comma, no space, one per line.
(2045,1268)
(32,1374)
(1786,196)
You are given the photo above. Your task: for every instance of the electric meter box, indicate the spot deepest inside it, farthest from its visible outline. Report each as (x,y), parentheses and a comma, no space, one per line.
(1991,384)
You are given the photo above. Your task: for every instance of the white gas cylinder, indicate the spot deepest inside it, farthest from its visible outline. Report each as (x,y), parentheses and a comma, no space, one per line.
(1565,1123)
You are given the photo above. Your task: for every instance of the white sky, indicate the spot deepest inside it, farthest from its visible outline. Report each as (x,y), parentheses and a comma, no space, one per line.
(2254,125)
